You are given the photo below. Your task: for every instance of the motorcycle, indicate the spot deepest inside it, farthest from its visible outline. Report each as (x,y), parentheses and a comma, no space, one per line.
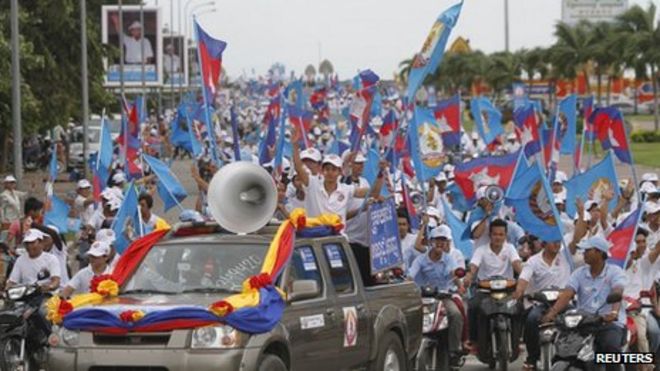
(433,354)
(23,343)
(500,309)
(574,343)
(548,331)
(635,307)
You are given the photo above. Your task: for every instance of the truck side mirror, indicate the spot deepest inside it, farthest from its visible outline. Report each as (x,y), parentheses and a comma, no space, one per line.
(303,289)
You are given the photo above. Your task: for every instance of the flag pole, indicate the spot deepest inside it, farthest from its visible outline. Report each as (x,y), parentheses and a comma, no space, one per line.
(632,160)
(639,218)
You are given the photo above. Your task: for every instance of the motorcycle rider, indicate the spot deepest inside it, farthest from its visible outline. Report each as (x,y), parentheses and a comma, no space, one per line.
(592,283)
(436,269)
(548,269)
(497,258)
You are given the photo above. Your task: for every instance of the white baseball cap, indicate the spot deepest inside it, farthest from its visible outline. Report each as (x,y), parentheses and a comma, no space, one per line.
(9,179)
(648,187)
(33,235)
(135,24)
(311,154)
(432,211)
(651,207)
(333,160)
(111,192)
(360,159)
(440,231)
(99,249)
(119,177)
(114,203)
(441,177)
(560,177)
(559,199)
(84,183)
(650,177)
(105,235)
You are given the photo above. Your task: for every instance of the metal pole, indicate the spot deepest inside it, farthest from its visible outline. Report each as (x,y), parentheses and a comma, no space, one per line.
(506,25)
(16,93)
(171,59)
(144,85)
(83,79)
(121,52)
(180,45)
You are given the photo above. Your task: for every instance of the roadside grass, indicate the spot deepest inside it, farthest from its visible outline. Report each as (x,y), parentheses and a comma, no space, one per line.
(646,154)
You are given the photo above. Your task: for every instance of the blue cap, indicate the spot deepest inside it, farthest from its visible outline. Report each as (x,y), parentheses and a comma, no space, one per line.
(595,242)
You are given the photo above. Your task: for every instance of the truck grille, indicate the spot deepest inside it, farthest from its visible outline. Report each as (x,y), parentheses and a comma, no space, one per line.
(126,368)
(132,339)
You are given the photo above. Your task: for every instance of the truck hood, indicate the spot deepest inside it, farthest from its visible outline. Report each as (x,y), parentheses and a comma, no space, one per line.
(151,302)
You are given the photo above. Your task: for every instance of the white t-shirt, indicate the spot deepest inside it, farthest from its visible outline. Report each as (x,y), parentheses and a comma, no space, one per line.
(134,49)
(491,264)
(292,201)
(171,63)
(81,280)
(61,256)
(640,275)
(28,271)
(97,219)
(458,256)
(541,276)
(86,213)
(318,201)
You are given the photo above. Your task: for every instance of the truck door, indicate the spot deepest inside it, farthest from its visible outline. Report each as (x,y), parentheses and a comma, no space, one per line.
(349,311)
(314,333)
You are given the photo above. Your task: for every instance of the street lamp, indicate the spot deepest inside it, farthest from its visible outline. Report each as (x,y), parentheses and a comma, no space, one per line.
(192,11)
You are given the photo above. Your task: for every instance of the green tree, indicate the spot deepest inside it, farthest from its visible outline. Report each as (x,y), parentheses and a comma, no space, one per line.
(572,51)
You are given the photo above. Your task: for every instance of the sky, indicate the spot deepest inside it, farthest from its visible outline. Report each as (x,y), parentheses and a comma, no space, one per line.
(359,34)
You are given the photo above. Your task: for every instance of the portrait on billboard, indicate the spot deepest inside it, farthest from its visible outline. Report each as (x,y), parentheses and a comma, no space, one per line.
(175,60)
(141,42)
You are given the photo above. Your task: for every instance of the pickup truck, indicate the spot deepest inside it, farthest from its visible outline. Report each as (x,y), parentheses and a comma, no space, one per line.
(331,320)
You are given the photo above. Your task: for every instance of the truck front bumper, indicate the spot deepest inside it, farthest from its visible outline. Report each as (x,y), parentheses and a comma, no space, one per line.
(90,359)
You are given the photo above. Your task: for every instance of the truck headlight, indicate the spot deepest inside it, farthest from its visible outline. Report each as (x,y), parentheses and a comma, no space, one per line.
(70,338)
(218,337)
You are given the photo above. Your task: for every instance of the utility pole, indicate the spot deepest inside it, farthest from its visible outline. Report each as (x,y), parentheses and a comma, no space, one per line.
(83,79)
(16,93)
(506,25)
(121,52)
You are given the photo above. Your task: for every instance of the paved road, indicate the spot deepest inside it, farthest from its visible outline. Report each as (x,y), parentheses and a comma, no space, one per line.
(472,364)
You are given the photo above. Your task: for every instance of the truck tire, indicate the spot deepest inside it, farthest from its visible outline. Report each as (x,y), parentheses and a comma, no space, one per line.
(272,363)
(391,356)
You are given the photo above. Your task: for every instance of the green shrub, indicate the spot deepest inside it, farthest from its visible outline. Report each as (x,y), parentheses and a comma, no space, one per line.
(645,136)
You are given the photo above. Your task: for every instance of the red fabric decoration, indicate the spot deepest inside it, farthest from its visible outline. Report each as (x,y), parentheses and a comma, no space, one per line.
(126,316)
(337,228)
(284,251)
(134,255)
(64,308)
(222,304)
(94,283)
(260,280)
(301,222)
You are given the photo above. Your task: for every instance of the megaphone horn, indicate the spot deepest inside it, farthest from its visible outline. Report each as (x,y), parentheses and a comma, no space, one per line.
(242,197)
(494,193)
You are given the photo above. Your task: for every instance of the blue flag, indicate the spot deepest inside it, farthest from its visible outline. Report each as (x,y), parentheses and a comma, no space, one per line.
(487,118)
(104,158)
(126,216)
(58,215)
(530,195)
(180,135)
(428,59)
(169,188)
(425,140)
(591,184)
(52,166)
(371,169)
(457,230)
(567,116)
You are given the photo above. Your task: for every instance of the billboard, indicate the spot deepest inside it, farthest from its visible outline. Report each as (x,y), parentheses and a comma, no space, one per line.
(573,11)
(142,43)
(175,61)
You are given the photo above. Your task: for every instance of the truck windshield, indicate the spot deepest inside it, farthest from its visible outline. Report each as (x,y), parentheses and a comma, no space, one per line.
(197,268)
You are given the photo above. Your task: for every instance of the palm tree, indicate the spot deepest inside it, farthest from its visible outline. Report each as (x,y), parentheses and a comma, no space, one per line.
(572,51)
(533,62)
(505,68)
(326,69)
(602,35)
(310,73)
(643,35)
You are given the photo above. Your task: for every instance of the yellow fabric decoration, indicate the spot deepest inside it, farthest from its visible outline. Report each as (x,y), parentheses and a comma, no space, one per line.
(108,288)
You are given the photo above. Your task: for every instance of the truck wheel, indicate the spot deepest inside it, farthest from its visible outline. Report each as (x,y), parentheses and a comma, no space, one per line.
(390,355)
(272,363)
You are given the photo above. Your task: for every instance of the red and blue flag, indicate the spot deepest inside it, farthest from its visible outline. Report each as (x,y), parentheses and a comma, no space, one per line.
(448,115)
(209,51)
(622,238)
(493,170)
(611,132)
(527,129)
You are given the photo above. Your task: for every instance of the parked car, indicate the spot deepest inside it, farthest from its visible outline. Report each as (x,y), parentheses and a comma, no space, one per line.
(76,158)
(332,321)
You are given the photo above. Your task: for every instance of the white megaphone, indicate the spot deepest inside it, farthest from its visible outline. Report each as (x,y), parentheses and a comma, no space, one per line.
(242,197)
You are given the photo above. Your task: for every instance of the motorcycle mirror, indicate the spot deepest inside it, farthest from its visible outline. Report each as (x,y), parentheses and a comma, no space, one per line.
(428,291)
(613,298)
(460,272)
(644,294)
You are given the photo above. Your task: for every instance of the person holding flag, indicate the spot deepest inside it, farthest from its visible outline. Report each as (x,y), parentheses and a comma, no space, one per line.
(11,200)
(150,221)
(84,201)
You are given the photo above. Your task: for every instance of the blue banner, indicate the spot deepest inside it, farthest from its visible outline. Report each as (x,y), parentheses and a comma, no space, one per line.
(384,242)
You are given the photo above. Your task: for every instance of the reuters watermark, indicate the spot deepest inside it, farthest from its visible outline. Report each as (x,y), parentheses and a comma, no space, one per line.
(625,358)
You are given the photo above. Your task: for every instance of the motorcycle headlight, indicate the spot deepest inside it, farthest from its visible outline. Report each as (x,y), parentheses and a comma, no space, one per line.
(498,284)
(551,295)
(572,321)
(586,353)
(70,338)
(216,337)
(16,293)
(428,316)
(499,295)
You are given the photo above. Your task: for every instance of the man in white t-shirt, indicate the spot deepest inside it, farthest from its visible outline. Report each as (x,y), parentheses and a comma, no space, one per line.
(548,269)
(357,224)
(84,202)
(98,265)
(35,266)
(135,43)
(325,194)
(497,258)
(411,243)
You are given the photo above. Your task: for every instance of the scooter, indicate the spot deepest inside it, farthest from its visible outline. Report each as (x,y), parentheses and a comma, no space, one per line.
(574,343)
(548,331)
(635,307)
(433,354)
(23,343)
(500,308)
